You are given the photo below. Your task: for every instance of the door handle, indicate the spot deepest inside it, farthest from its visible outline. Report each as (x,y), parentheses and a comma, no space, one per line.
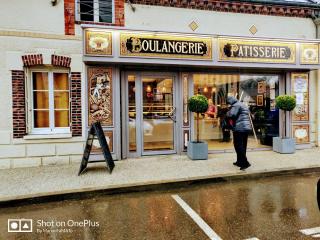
(172,114)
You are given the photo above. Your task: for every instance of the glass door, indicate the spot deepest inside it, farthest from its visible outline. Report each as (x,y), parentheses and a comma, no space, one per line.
(151,114)
(158,113)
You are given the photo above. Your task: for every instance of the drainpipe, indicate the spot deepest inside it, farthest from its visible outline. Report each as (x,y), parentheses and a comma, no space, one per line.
(317,24)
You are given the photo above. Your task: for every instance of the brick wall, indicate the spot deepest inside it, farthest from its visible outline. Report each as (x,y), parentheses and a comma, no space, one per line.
(69,17)
(18,104)
(32,60)
(60,61)
(119,12)
(76,118)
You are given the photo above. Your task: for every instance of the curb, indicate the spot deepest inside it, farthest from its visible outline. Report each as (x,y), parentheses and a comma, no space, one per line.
(168,185)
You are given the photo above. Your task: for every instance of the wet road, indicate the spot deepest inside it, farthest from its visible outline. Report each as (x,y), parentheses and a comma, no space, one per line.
(270,208)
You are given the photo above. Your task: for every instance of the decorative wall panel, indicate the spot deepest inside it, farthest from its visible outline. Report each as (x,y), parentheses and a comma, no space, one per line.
(100,99)
(301,133)
(300,89)
(96,148)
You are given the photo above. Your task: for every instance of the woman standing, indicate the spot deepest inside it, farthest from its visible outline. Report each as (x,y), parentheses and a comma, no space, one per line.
(239,113)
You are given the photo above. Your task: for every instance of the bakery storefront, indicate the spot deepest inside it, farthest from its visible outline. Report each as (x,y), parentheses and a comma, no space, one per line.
(138,84)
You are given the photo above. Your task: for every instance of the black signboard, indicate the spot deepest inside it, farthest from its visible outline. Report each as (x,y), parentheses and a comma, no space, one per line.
(257,51)
(166,46)
(96,132)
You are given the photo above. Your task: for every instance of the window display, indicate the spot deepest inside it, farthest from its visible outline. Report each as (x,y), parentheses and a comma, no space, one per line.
(256,91)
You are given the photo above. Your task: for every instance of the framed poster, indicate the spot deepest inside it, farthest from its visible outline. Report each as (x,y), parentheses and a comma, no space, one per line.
(100,96)
(261,87)
(300,89)
(259,100)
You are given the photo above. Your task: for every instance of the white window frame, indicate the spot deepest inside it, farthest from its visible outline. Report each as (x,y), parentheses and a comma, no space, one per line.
(51,129)
(96,11)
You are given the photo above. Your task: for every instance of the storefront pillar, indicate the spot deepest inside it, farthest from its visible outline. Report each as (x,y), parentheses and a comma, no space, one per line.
(318,109)
(317,23)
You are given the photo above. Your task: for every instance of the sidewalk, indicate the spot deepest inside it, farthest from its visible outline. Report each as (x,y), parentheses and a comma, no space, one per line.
(24,183)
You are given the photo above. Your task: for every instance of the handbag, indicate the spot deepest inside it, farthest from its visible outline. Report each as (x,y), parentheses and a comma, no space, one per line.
(231,122)
(228,123)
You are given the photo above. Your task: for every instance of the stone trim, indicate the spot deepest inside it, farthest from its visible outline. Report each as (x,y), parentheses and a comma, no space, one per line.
(233,6)
(76,111)
(60,61)
(18,103)
(32,60)
(39,35)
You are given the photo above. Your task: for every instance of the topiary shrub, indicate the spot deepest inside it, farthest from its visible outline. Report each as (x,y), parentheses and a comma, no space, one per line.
(198,104)
(285,102)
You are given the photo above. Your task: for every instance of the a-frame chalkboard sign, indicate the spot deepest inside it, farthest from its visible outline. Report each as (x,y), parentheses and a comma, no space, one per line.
(96,132)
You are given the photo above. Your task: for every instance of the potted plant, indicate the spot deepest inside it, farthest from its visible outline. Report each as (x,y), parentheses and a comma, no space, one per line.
(284,144)
(198,150)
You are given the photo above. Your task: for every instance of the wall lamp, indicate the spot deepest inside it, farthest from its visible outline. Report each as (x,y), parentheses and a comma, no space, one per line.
(54,2)
(131,6)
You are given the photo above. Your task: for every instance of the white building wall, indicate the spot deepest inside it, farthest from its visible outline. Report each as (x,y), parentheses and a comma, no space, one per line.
(32,15)
(155,18)
(21,152)
(28,27)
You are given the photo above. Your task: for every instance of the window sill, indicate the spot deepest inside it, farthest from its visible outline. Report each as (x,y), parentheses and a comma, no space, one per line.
(47,136)
(95,23)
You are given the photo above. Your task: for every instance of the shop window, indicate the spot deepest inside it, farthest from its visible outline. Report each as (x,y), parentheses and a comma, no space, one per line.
(49,102)
(258,92)
(95,10)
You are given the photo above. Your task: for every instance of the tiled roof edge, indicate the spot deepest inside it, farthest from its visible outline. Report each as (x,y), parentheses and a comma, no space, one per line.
(249,6)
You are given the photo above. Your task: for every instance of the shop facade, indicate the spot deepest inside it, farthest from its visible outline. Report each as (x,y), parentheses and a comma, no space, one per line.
(63,69)
(146,78)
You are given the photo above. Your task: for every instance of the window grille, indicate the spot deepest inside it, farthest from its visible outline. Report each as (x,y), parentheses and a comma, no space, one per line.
(95,10)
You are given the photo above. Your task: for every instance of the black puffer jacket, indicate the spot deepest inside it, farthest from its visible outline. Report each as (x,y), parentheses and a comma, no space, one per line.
(240,112)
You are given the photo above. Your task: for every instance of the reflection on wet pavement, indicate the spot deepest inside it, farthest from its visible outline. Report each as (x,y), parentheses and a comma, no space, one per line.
(271,208)
(133,216)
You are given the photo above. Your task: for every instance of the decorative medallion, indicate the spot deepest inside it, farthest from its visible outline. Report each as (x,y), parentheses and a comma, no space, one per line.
(301,133)
(309,53)
(253,29)
(98,43)
(193,26)
(100,95)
